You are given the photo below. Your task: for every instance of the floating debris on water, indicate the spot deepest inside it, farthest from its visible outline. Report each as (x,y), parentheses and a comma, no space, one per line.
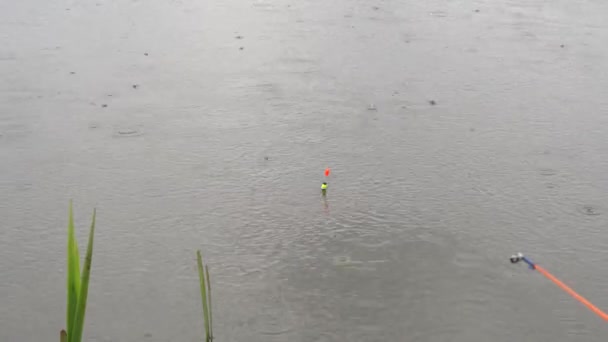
(376,8)
(239,37)
(562,46)
(372,106)
(432,102)
(135,86)
(104,105)
(241,48)
(266,158)
(477,11)
(72,72)
(145,53)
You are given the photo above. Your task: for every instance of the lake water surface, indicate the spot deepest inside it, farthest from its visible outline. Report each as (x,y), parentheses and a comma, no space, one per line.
(208,124)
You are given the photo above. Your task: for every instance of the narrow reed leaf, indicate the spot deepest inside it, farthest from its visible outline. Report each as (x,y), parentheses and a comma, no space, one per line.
(210,306)
(73,274)
(78,324)
(201,275)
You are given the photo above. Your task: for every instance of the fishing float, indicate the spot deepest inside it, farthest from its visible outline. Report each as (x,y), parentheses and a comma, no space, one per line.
(324,184)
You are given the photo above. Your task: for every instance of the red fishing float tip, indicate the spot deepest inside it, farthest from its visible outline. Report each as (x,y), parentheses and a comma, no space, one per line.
(327,172)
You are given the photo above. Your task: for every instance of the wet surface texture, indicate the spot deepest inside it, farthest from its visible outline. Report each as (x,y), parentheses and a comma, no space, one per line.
(458,133)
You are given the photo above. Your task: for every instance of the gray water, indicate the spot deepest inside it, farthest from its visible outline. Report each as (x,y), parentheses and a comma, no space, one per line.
(237,109)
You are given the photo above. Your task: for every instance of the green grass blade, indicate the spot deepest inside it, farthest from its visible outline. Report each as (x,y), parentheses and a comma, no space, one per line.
(76,335)
(210,306)
(63,336)
(201,276)
(73,274)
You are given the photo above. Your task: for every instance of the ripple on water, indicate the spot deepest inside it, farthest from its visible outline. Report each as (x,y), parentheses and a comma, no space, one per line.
(341,260)
(465,259)
(438,14)
(127,132)
(547,172)
(276,333)
(14,131)
(589,210)
(550,186)
(264,6)
(347,261)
